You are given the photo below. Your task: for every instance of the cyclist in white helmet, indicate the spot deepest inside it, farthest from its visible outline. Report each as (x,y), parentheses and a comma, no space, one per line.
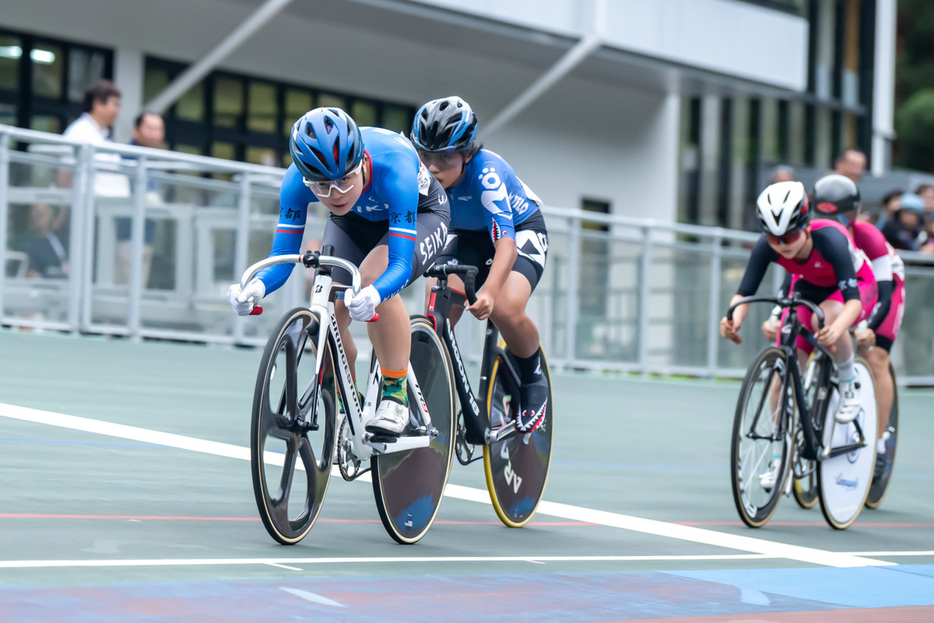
(828,271)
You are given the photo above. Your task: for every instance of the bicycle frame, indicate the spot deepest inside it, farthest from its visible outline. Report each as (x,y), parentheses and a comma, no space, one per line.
(443,298)
(814,448)
(323,295)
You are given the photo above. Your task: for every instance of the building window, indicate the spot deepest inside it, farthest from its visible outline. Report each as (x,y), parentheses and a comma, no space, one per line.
(42,80)
(240,117)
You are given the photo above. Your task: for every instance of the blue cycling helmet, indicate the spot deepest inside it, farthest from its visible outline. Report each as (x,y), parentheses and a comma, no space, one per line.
(446,124)
(325,144)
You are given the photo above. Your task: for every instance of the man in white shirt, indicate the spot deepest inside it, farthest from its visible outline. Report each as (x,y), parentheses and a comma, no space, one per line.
(101,106)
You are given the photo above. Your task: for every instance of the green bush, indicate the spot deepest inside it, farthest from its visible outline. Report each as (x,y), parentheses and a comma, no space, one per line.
(914,125)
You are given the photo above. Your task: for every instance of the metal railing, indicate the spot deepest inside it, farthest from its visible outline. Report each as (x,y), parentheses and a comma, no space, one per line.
(618,293)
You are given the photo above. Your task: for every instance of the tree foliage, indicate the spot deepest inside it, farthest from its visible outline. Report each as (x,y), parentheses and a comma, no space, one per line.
(914,85)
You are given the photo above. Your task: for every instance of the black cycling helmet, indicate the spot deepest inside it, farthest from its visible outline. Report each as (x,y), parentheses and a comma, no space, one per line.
(446,124)
(835,195)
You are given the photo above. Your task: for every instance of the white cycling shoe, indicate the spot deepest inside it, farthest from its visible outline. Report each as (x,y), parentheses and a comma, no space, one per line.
(850,404)
(768,479)
(391,418)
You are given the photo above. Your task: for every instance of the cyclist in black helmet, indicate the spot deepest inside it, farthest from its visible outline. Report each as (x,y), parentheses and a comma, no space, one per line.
(497,226)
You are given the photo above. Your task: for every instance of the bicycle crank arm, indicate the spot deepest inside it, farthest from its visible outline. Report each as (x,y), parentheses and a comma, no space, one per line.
(494,435)
(399,445)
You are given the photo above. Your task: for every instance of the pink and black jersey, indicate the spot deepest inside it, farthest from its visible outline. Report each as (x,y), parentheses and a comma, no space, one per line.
(834,262)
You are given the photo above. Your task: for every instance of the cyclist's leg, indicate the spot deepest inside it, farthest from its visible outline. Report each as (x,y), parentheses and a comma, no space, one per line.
(509,314)
(353,249)
(879,360)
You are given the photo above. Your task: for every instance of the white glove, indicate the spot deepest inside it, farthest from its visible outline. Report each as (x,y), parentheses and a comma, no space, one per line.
(362,306)
(242,301)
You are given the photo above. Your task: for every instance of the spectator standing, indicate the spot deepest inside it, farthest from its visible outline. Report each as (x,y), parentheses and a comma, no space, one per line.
(852,164)
(101,105)
(148,131)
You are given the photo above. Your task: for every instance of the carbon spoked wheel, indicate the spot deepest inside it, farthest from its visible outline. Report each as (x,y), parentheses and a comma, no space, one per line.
(844,478)
(517,466)
(293,428)
(804,488)
(409,485)
(761,447)
(879,485)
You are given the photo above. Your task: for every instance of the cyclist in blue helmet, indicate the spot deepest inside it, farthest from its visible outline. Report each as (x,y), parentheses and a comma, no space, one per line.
(388,216)
(497,226)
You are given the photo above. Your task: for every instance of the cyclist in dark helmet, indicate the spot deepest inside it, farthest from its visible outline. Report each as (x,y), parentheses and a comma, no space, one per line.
(497,226)
(388,216)
(836,196)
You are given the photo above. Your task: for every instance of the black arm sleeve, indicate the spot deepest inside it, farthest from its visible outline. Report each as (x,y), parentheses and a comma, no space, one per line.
(762,255)
(785,289)
(835,248)
(881,310)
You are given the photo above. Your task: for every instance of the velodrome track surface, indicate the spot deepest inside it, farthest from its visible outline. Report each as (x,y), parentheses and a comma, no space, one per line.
(125,495)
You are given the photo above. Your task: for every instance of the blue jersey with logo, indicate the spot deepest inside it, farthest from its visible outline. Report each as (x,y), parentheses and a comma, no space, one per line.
(395,182)
(490,196)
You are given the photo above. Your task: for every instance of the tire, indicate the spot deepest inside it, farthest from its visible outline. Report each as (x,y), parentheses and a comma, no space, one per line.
(280,443)
(843,480)
(804,489)
(409,485)
(757,412)
(879,487)
(516,468)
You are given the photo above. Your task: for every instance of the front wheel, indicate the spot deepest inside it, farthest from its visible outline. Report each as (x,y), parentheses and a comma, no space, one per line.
(409,485)
(293,428)
(844,477)
(516,466)
(880,484)
(760,450)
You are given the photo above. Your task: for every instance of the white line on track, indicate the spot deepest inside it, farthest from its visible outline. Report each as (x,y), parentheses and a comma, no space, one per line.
(692,534)
(282,562)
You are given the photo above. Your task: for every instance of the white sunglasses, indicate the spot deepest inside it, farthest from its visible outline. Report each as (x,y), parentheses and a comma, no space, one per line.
(343,185)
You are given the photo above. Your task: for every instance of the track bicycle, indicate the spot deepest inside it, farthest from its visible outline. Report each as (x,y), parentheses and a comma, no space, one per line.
(307,413)
(769,442)
(516,464)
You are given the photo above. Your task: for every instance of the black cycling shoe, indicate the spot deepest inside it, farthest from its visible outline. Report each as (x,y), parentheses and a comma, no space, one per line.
(533,404)
(880,468)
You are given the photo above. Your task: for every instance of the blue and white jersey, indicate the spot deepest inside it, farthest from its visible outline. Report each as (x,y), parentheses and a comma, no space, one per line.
(490,196)
(396,184)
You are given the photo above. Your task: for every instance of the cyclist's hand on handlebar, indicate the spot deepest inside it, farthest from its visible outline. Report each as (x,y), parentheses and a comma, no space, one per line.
(482,307)
(730,329)
(362,306)
(242,301)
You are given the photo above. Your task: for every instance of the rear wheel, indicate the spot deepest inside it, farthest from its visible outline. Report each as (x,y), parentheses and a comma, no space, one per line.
(879,485)
(760,453)
(409,485)
(844,477)
(517,466)
(293,428)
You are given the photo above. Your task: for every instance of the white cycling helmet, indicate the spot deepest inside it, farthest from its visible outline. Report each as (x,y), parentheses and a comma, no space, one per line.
(783,207)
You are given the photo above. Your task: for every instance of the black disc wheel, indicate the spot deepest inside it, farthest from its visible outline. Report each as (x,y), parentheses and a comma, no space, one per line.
(760,454)
(293,428)
(409,485)
(516,466)
(880,484)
